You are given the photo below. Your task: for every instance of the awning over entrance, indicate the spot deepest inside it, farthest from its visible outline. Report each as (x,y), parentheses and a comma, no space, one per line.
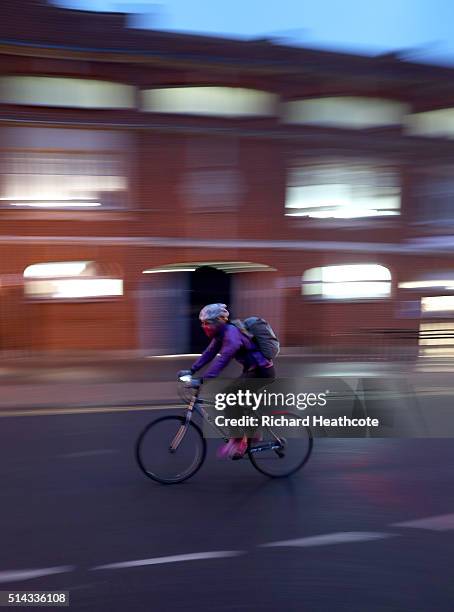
(230,267)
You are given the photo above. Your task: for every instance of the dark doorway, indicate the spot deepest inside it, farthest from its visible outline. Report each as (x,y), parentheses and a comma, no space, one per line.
(208,285)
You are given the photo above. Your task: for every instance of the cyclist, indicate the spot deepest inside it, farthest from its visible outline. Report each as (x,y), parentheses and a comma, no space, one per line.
(228,343)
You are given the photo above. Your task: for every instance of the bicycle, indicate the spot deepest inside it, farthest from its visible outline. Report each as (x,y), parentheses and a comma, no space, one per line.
(172,448)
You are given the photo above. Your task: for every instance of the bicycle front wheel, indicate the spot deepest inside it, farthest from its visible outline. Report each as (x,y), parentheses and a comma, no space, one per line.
(291,449)
(159,461)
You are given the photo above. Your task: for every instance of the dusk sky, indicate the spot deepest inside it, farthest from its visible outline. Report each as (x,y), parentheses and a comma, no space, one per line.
(423,27)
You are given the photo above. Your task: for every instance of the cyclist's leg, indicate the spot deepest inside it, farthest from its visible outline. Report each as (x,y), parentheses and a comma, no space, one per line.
(237,444)
(257,379)
(252,380)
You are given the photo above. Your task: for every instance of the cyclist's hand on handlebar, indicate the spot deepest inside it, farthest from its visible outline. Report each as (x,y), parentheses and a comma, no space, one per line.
(184,373)
(186,377)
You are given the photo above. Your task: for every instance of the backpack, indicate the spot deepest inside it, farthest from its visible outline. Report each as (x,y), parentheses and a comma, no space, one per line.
(260,332)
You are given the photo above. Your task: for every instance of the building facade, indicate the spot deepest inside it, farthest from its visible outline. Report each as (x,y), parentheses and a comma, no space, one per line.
(143,174)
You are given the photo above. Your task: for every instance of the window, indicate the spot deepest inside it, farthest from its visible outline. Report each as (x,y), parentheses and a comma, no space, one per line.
(436,339)
(433,196)
(434,123)
(65,92)
(212,181)
(437,304)
(77,171)
(69,280)
(214,101)
(437,333)
(345,112)
(342,190)
(349,282)
(446,284)
(62,180)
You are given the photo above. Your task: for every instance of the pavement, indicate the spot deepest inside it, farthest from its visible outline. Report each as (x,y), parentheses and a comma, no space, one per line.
(68,381)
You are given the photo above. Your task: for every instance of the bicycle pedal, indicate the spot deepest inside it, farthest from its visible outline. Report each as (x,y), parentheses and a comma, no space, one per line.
(237,457)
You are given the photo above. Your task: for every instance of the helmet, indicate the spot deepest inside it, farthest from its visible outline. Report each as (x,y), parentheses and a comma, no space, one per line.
(212,312)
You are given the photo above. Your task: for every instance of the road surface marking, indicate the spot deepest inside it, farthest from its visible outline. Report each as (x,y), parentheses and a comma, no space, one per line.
(90,453)
(56,411)
(333,538)
(217,554)
(17,575)
(442,522)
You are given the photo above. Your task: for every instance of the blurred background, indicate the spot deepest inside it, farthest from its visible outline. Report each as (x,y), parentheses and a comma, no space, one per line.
(145,173)
(294,161)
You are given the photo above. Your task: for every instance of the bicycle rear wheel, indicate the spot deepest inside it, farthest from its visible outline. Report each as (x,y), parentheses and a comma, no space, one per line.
(294,449)
(156,458)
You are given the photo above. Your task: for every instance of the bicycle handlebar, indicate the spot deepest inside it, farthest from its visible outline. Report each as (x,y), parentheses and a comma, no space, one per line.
(188,386)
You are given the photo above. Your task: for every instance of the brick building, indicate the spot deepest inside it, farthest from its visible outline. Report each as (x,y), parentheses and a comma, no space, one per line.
(144,173)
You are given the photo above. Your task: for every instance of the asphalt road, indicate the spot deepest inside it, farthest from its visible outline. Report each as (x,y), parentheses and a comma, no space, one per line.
(331,538)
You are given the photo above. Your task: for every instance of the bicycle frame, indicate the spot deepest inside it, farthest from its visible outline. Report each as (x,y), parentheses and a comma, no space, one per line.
(196,406)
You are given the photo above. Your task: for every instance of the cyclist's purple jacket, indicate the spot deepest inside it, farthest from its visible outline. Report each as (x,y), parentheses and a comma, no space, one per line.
(230,343)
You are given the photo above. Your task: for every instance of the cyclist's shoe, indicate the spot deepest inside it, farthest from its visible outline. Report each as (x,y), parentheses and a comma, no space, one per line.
(225,450)
(238,449)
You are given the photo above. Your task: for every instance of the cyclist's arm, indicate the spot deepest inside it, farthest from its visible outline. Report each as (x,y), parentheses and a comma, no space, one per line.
(230,345)
(208,354)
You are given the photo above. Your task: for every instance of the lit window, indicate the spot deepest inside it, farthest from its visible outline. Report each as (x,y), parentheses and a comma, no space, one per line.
(436,339)
(52,168)
(432,123)
(429,284)
(215,101)
(342,191)
(345,112)
(436,304)
(69,280)
(56,269)
(437,333)
(361,281)
(70,180)
(65,92)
